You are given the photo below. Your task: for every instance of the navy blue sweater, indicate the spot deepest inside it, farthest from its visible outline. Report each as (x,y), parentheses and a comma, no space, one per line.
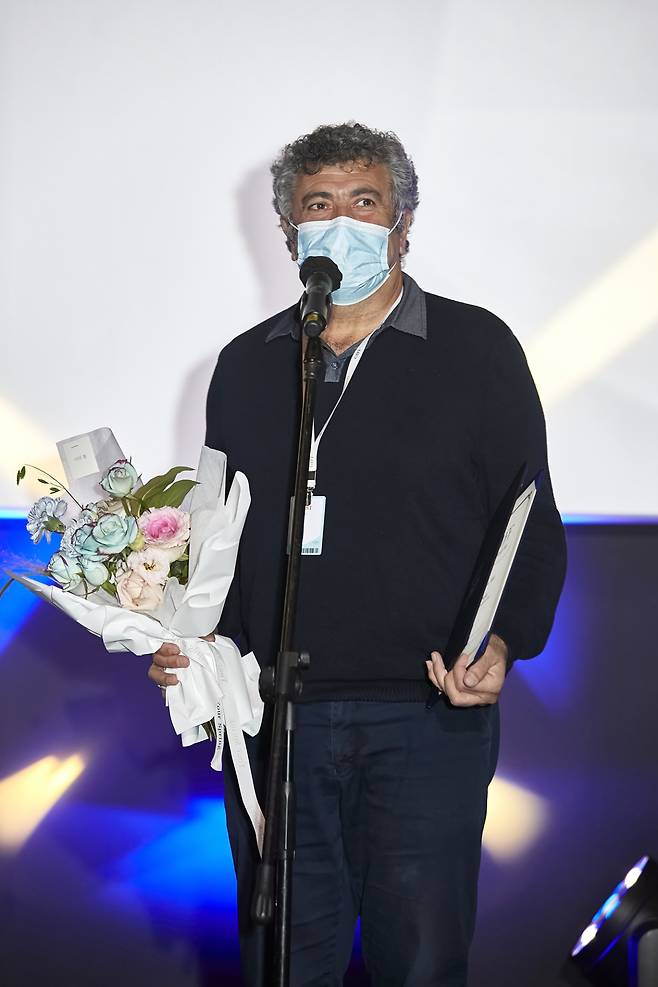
(415,460)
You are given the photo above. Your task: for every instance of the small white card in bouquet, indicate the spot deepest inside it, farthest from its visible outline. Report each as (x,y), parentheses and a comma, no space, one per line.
(85,458)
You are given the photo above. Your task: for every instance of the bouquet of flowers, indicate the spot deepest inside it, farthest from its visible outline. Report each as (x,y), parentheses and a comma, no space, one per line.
(146,563)
(129,543)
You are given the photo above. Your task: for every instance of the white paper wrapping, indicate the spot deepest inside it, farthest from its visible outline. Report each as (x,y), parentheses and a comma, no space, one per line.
(219,684)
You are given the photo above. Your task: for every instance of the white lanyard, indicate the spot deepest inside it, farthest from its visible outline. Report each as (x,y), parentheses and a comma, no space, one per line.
(315,440)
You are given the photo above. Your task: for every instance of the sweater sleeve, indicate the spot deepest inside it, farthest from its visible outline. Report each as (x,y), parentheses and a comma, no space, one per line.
(514,432)
(230,622)
(214,438)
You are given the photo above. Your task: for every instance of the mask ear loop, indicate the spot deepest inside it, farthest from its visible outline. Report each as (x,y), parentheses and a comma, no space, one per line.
(395,224)
(394,227)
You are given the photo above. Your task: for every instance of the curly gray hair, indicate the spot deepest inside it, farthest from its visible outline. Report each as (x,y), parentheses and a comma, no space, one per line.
(342,143)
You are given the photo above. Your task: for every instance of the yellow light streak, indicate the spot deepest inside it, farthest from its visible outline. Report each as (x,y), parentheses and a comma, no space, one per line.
(27,796)
(516,818)
(22,441)
(619,307)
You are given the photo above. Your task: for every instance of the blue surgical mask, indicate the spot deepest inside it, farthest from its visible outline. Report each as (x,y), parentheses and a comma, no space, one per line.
(360,250)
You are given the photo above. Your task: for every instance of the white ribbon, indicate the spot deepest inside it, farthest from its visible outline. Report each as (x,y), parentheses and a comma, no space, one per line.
(220,685)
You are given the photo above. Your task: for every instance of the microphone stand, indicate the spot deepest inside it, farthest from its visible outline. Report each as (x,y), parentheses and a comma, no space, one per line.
(281,686)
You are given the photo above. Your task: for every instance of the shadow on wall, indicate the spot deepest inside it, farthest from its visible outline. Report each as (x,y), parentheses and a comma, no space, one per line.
(275,275)
(275,286)
(190,417)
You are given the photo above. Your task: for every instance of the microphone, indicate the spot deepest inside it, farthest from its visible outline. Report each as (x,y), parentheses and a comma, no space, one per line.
(320,277)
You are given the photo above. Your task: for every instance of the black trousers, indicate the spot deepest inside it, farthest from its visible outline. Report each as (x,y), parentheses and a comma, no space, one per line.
(391,801)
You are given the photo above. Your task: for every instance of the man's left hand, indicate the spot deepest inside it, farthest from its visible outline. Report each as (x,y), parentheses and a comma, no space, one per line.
(478,685)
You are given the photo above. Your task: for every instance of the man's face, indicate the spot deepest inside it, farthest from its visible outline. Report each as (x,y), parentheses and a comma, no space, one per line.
(357,190)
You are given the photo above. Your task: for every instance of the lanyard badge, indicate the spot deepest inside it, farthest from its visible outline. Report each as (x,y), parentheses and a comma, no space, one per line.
(316,505)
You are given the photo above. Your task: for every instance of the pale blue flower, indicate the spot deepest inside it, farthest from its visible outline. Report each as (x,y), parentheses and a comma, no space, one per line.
(66,545)
(39,515)
(120,479)
(76,533)
(95,573)
(88,515)
(78,543)
(65,571)
(109,536)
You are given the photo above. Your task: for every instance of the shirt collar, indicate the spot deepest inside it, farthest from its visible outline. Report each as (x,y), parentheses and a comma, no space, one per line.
(410,316)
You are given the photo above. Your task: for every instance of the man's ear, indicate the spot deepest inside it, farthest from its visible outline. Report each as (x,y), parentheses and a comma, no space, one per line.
(290,234)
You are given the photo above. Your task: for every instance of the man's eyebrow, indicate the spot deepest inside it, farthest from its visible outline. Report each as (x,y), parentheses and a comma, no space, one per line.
(366,190)
(316,195)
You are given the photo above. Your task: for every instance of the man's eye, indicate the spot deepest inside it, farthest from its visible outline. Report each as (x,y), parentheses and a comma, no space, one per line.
(365,202)
(317,206)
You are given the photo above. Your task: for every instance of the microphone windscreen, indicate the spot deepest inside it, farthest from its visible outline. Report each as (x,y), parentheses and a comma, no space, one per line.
(321,265)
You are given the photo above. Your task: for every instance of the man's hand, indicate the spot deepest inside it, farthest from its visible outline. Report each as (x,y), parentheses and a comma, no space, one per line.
(478,685)
(169,656)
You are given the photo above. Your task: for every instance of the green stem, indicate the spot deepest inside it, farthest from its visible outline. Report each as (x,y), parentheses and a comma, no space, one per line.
(127,501)
(38,469)
(6,586)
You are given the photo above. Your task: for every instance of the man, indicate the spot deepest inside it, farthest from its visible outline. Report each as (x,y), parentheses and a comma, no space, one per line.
(422,440)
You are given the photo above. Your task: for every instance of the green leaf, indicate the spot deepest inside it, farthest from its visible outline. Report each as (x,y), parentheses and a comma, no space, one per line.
(180,569)
(40,480)
(54,524)
(158,483)
(173,496)
(20,475)
(54,490)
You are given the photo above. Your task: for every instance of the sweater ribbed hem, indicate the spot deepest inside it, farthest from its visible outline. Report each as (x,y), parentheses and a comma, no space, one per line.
(382,691)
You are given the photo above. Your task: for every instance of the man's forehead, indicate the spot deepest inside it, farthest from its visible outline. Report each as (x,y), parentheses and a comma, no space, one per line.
(344,174)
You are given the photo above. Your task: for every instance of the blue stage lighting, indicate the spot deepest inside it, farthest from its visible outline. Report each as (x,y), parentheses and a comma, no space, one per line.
(619,947)
(15,548)
(186,864)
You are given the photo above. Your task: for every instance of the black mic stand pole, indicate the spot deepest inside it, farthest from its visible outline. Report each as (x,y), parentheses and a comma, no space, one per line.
(273,891)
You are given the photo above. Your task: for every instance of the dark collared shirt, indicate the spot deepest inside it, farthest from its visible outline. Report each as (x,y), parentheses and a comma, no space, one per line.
(409,315)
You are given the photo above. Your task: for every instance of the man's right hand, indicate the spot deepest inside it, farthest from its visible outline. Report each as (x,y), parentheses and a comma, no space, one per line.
(167,656)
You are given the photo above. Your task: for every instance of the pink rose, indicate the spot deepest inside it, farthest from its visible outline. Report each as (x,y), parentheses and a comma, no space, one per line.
(135,593)
(166,528)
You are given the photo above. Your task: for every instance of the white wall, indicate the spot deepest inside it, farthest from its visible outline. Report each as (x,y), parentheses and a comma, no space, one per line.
(137,236)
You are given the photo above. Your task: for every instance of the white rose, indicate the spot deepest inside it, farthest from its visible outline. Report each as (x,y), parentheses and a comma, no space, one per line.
(135,593)
(151,564)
